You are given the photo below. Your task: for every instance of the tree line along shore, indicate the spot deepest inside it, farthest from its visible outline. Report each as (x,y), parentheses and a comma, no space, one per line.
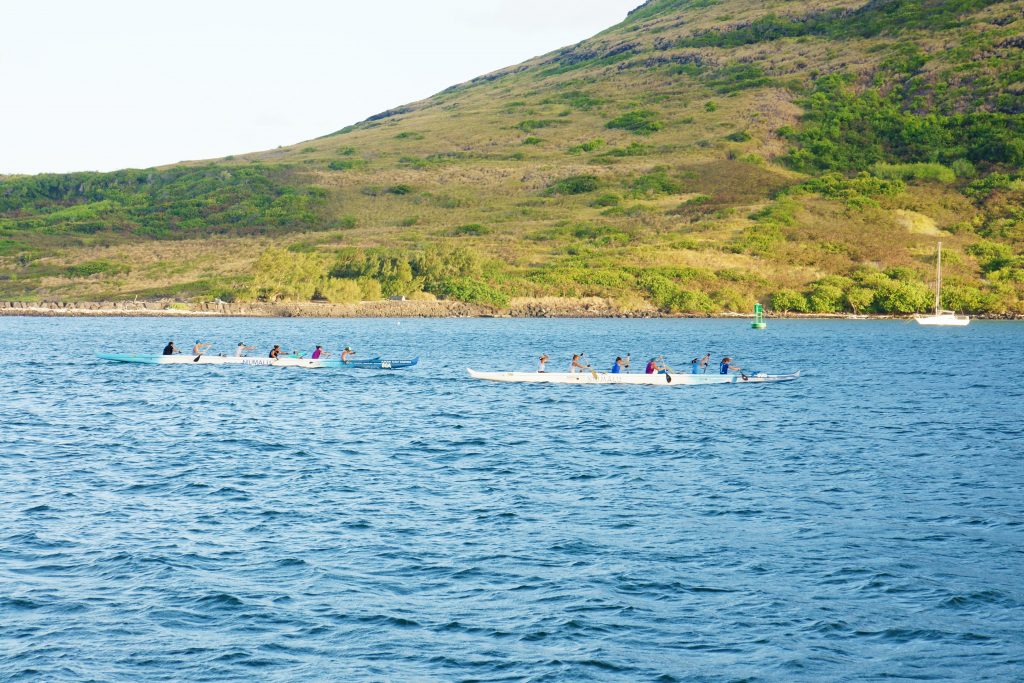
(552,307)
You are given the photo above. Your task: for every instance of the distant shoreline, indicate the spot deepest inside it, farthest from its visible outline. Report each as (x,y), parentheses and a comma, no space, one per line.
(519,308)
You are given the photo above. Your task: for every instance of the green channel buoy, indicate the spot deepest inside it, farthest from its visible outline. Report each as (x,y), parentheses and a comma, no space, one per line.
(759,323)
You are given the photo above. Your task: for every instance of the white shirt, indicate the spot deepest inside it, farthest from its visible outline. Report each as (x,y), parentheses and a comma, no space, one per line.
(239,351)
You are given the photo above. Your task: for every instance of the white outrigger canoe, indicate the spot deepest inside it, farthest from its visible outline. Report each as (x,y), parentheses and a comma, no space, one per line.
(672,379)
(186,359)
(282,362)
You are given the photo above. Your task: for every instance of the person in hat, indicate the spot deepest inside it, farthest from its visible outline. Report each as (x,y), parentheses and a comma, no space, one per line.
(171,349)
(542,362)
(242,348)
(200,348)
(346,354)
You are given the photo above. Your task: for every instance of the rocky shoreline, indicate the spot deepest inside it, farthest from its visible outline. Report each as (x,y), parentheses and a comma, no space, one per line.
(551,307)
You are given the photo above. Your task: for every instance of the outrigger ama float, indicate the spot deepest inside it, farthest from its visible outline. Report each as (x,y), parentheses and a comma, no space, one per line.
(670,379)
(284,361)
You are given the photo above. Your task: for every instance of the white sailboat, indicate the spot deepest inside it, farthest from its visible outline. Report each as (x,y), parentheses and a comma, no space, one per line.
(941,318)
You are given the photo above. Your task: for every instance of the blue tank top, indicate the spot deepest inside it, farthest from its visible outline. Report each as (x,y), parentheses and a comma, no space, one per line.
(724,368)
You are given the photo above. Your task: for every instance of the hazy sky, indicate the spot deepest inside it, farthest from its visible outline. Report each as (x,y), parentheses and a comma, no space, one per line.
(115,83)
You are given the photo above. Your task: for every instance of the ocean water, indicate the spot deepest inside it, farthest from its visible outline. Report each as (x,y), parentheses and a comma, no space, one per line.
(209,523)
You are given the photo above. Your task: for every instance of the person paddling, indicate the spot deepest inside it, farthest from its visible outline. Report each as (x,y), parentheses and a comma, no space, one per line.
(171,349)
(542,362)
(346,354)
(576,364)
(652,367)
(200,348)
(726,365)
(275,352)
(317,352)
(617,365)
(242,348)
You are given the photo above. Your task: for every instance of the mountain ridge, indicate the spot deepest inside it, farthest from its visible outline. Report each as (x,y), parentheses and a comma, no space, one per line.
(699,156)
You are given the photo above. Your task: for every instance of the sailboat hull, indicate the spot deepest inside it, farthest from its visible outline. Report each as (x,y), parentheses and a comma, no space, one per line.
(943,320)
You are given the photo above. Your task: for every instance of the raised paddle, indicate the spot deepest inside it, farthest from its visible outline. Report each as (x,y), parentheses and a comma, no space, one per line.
(667,370)
(593,372)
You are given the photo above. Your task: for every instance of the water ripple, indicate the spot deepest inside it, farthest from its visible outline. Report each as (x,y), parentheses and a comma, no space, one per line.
(211,523)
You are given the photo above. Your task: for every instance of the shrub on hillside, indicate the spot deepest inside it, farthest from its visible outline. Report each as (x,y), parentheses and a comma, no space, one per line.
(639,121)
(926,172)
(345,164)
(656,182)
(530,125)
(577,184)
(606,200)
(472,229)
(633,149)
(100,267)
(588,146)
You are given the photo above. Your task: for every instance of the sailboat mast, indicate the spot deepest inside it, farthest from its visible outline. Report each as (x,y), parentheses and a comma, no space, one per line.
(938,279)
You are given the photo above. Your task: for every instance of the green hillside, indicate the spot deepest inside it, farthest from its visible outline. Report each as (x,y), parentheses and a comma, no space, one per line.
(698,157)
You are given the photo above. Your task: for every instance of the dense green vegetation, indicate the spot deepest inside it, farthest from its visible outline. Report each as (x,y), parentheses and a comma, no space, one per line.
(177,202)
(872,19)
(700,157)
(850,130)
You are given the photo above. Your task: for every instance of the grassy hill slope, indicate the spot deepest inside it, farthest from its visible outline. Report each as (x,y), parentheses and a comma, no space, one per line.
(699,156)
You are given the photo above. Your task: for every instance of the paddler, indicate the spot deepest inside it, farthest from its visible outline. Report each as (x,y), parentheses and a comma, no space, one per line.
(242,348)
(275,352)
(171,349)
(698,365)
(617,365)
(726,365)
(346,354)
(576,364)
(543,361)
(652,367)
(317,352)
(200,348)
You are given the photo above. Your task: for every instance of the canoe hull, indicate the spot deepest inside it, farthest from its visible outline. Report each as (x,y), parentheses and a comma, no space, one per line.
(672,379)
(185,359)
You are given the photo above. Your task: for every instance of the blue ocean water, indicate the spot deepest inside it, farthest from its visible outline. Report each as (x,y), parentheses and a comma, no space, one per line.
(211,523)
